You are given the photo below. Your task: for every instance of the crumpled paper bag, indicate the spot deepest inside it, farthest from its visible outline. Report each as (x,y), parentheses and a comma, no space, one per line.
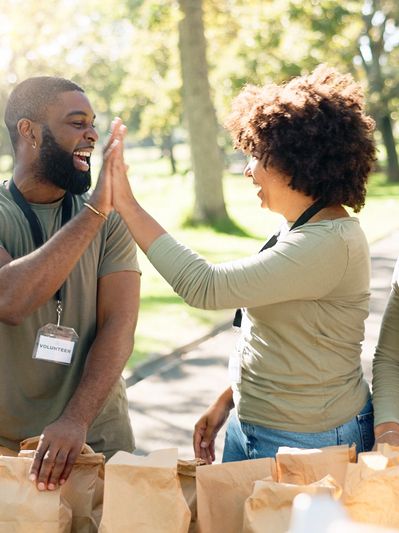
(371,489)
(268,509)
(8,452)
(143,495)
(304,466)
(222,490)
(391,452)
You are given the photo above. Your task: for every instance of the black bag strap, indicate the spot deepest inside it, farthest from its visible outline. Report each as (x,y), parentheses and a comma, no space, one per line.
(34,223)
(302,219)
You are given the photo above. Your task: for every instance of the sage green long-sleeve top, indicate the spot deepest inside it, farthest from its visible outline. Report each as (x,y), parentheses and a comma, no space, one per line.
(306,301)
(386,360)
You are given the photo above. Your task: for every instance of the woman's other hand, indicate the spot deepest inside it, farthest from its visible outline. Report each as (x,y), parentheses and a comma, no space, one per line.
(388,433)
(209,424)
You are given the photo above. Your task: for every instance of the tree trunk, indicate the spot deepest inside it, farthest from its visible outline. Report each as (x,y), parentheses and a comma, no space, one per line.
(206,156)
(385,126)
(168,151)
(375,35)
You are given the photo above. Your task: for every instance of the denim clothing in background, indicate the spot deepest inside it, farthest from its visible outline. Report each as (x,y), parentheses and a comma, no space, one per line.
(249,441)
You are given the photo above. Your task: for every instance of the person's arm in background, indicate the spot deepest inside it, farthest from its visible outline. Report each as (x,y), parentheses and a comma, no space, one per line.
(61,441)
(386,372)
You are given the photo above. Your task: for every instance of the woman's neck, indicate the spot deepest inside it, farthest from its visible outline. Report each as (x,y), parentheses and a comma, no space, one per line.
(295,203)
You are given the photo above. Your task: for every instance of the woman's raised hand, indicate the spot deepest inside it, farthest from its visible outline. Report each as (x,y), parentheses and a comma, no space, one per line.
(102,194)
(142,226)
(122,196)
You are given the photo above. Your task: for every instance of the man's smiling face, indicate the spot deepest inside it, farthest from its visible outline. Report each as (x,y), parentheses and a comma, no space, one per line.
(68,139)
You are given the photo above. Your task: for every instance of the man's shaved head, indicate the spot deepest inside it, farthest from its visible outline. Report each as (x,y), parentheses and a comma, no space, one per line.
(30,99)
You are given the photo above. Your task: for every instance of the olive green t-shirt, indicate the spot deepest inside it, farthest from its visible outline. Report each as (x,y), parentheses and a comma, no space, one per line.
(386,360)
(306,301)
(33,392)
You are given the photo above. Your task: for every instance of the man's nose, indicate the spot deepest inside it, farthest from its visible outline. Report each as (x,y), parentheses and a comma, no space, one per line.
(91,134)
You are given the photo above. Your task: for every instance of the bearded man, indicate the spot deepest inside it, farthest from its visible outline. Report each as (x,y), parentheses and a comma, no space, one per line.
(69,285)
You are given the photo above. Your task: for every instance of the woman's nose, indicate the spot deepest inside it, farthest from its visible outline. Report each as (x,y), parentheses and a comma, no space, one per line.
(247,171)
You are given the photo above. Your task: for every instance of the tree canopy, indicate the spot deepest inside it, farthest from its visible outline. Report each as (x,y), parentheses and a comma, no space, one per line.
(126,54)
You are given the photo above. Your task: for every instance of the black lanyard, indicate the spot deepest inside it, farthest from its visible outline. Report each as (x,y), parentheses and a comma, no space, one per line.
(34,223)
(306,215)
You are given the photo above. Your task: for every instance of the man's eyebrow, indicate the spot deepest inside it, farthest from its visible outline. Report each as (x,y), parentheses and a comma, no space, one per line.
(79,112)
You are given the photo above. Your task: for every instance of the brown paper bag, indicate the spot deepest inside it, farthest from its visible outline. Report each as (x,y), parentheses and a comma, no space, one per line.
(83,490)
(24,509)
(8,452)
(391,452)
(143,495)
(301,467)
(222,490)
(186,470)
(268,509)
(371,490)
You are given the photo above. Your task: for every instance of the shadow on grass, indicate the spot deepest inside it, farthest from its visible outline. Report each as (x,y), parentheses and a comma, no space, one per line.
(219,225)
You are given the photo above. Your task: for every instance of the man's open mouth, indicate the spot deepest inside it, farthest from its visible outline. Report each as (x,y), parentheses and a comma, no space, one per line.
(81,160)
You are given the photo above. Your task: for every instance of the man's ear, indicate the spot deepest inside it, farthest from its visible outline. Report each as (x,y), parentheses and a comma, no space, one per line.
(27,131)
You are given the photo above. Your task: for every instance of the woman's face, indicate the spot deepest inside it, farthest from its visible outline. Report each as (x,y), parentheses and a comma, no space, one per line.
(270,183)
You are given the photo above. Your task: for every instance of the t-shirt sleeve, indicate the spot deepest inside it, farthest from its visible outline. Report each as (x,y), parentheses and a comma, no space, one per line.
(120,249)
(386,360)
(306,264)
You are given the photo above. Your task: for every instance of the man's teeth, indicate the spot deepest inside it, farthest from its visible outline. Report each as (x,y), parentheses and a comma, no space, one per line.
(82,154)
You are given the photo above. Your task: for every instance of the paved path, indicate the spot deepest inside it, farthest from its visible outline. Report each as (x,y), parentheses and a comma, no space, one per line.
(165,406)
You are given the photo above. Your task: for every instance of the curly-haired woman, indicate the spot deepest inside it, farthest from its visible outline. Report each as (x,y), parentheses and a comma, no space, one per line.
(296,374)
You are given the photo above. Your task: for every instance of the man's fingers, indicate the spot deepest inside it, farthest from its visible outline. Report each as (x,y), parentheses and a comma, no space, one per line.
(57,470)
(71,459)
(46,467)
(38,458)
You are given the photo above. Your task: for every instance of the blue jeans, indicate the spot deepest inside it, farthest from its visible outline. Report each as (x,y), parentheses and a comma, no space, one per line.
(249,441)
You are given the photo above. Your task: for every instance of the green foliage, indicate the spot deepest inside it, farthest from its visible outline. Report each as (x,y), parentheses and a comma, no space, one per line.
(126,53)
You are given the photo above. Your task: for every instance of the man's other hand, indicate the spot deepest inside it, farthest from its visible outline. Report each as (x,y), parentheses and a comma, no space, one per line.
(59,446)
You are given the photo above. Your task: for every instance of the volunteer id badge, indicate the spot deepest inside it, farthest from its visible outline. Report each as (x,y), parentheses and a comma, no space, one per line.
(55,343)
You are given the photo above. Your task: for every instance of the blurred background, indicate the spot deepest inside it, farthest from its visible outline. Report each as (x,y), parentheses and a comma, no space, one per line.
(170,69)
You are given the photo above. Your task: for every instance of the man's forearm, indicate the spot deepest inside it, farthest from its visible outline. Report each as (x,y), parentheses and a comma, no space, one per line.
(106,361)
(28,282)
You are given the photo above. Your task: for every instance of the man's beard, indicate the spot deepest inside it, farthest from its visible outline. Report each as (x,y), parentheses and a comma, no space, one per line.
(56,166)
